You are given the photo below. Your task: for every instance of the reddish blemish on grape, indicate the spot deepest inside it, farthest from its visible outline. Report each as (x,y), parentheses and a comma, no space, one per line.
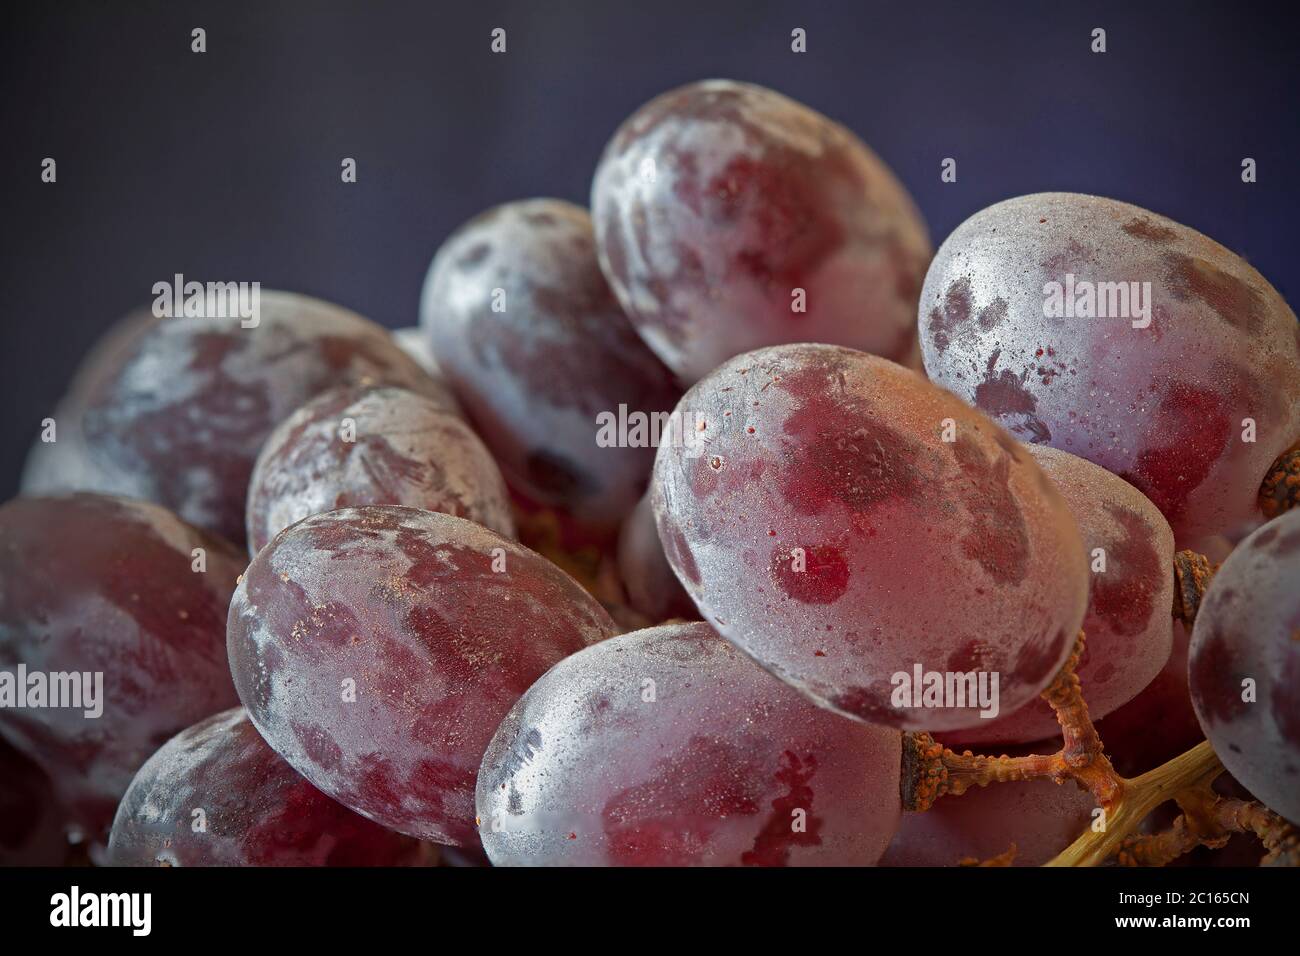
(284,607)
(1141,227)
(863,703)
(998,539)
(1104,672)
(840,452)
(781,194)
(1193,429)
(955,313)
(1232,300)
(773,843)
(1214,669)
(1072,259)
(317,744)
(823,580)
(639,838)
(1122,596)
(993,314)
(1004,396)
(975,656)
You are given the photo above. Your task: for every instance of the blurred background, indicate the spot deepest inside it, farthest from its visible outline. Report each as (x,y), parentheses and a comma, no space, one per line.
(225,165)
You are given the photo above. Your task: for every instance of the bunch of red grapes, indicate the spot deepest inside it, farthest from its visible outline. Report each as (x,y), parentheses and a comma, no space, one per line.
(629,553)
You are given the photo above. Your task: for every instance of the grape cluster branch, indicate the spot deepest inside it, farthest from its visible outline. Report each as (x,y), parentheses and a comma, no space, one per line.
(930,771)
(1209,819)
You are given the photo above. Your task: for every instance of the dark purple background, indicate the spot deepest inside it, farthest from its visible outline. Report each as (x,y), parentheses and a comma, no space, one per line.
(225,166)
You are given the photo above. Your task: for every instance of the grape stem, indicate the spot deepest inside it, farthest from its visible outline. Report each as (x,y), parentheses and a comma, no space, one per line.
(1192,575)
(1197,768)
(1209,819)
(930,771)
(1280,490)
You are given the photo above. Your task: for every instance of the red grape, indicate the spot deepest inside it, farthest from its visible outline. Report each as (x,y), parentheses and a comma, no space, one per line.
(1039,817)
(217,795)
(1244,664)
(175,410)
(821,521)
(90,583)
(668,747)
(377,648)
(537,348)
(359,445)
(652,588)
(729,217)
(1164,406)
(1129,625)
(1158,724)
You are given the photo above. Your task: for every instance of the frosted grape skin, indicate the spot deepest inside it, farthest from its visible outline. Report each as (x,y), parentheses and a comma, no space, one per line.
(715,201)
(1247,628)
(1164,406)
(175,410)
(404,603)
(957,556)
(1039,817)
(1129,624)
(91,583)
(536,347)
(403,449)
(713,771)
(256,809)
